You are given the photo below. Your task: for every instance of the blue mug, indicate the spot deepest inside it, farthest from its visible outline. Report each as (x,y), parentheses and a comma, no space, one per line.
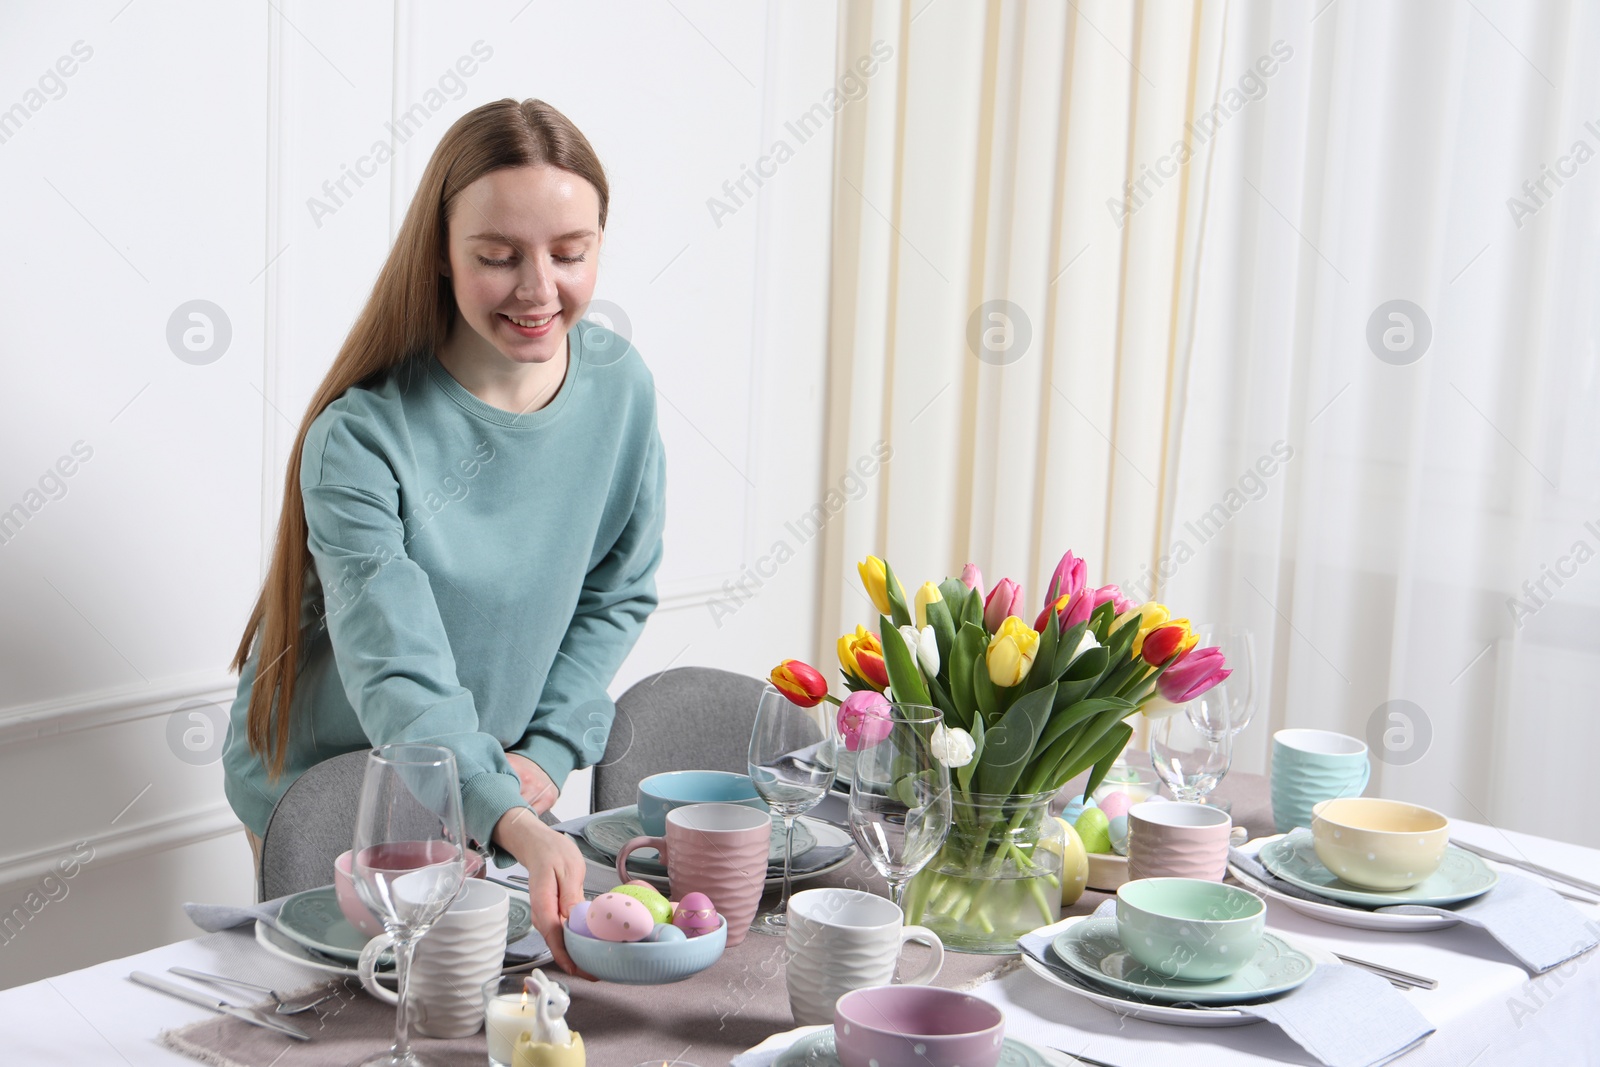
(660,793)
(1310,766)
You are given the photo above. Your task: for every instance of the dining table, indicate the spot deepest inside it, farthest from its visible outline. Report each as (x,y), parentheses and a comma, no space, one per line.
(1487,1009)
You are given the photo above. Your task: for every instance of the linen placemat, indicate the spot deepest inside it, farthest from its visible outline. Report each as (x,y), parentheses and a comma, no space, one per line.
(1530,921)
(1315,1016)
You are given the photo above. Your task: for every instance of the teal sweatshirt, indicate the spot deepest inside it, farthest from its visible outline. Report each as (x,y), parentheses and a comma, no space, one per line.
(479,575)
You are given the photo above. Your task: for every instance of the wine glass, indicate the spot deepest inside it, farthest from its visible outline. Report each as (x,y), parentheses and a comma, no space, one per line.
(900,797)
(409,858)
(1192,748)
(792,762)
(1238,649)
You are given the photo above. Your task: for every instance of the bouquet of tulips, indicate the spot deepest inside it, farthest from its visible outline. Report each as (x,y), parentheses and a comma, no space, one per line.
(1025,708)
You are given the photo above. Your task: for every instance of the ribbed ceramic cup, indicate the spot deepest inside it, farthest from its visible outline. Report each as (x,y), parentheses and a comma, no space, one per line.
(716,849)
(1310,766)
(843,939)
(1177,840)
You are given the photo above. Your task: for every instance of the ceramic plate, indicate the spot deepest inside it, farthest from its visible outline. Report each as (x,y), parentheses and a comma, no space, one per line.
(1461,876)
(817,1050)
(1093,950)
(1168,1014)
(825,834)
(287,948)
(1338,914)
(609,832)
(313,918)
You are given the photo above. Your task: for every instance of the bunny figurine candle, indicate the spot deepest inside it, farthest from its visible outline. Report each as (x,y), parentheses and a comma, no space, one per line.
(542,1038)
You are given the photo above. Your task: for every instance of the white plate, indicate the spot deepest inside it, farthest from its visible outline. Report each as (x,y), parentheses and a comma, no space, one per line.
(1338,914)
(286,948)
(826,833)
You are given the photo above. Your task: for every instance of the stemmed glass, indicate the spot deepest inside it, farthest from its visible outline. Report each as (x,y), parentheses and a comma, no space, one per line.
(792,760)
(900,796)
(409,858)
(1192,748)
(1238,649)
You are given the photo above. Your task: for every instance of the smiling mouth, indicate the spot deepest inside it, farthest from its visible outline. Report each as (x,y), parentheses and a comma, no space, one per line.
(529,324)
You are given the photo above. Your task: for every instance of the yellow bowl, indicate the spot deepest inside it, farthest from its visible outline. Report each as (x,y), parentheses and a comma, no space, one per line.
(1379,844)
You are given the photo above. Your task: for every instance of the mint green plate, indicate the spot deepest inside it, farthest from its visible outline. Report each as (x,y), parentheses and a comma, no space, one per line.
(1461,876)
(1094,950)
(313,918)
(818,1050)
(609,832)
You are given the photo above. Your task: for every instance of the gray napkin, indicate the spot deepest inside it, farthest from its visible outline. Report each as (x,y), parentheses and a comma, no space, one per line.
(1531,922)
(214,917)
(575,826)
(1316,1016)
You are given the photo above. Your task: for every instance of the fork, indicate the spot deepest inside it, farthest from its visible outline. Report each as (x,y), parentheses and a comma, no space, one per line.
(289,1007)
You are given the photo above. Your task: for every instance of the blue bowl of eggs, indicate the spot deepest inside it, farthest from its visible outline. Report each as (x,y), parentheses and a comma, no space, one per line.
(622,936)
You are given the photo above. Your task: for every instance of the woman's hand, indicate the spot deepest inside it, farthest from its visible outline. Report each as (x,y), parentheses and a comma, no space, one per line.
(555,876)
(537,788)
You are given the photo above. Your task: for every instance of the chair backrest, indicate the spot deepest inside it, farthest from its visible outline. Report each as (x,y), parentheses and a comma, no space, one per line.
(313,822)
(683,718)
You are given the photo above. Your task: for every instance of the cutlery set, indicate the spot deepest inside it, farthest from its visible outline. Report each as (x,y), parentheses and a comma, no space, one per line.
(194,996)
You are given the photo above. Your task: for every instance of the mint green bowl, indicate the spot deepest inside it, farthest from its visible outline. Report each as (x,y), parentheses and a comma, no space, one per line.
(1190,929)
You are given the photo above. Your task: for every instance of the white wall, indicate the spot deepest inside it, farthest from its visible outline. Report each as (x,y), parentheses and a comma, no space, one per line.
(175,163)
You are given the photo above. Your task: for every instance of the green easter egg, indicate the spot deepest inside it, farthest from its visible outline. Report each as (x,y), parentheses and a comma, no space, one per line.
(1095,829)
(651,898)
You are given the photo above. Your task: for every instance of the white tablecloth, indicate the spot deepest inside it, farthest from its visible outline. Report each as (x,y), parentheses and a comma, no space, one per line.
(1487,1009)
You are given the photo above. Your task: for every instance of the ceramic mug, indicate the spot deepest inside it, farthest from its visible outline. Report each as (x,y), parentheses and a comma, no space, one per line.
(839,940)
(660,793)
(716,849)
(1310,766)
(453,960)
(1177,840)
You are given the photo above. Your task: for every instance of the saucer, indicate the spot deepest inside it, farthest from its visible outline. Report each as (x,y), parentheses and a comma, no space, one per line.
(314,920)
(1461,876)
(1331,911)
(817,1050)
(1093,950)
(609,832)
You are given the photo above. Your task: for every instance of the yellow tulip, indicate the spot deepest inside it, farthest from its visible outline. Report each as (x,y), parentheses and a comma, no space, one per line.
(861,656)
(928,594)
(874,577)
(1011,652)
(1152,616)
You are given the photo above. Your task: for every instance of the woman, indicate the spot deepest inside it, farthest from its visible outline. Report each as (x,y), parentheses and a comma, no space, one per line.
(472,518)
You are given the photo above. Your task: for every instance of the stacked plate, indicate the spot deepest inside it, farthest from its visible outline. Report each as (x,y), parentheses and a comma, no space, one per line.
(605,835)
(1461,876)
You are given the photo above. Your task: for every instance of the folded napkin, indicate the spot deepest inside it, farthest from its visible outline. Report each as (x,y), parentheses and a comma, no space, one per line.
(1316,1015)
(769,1050)
(575,826)
(214,917)
(1531,922)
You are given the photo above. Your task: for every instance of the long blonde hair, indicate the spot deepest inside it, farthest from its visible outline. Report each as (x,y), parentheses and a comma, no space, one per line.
(410,310)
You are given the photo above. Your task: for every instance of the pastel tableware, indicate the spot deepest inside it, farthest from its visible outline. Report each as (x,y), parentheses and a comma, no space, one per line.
(313,919)
(843,939)
(1190,929)
(610,831)
(1310,766)
(1379,844)
(1178,841)
(647,962)
(458,954)
(661,793)
(396,856)
(1328,910)
(916,1024)
(1461,876)
(1093,949)
(820,1049)
(716,849)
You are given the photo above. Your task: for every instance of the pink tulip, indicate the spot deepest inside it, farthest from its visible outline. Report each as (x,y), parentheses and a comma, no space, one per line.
(1078,609)
(972,577)
(1193,675)
(1004,599)
(1070,576)
(1113,594)
(864,719)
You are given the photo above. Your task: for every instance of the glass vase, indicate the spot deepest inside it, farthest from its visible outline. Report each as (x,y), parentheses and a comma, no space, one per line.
(997,877)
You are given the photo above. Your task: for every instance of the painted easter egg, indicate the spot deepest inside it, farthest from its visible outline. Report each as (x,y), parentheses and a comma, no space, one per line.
(617,917)
(650,897)
(667,932)
(1114,804)
(1118,829)
(695,915)
(1092,826)
(578,919)
(1075,807)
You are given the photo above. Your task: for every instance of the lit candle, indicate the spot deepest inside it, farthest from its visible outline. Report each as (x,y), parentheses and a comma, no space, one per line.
(509,1017)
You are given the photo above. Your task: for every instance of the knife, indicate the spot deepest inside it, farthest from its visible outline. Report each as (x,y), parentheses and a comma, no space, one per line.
(1532,868)
(194,996)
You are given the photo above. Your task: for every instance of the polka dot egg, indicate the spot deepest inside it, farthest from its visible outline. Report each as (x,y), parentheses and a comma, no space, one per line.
(615,917)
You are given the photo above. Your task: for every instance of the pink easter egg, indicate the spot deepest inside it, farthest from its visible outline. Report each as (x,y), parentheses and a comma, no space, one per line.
(578,919)
(615,917)
(695,915)
(1114,804)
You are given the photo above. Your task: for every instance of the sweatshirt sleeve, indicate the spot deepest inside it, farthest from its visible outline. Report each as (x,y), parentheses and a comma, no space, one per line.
(389,642)
(573,720)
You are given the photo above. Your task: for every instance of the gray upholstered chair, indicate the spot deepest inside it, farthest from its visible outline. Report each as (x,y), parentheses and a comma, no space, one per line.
(686,717)
(313,822)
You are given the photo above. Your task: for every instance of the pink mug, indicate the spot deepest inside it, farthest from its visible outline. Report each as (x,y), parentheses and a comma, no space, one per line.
(1178,840)
(716,849)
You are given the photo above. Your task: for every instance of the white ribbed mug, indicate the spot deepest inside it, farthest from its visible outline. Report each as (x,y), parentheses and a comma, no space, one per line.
(844,939)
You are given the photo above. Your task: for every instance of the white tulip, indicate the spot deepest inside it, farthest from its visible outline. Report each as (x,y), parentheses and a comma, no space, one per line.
(926,647)
(952,746)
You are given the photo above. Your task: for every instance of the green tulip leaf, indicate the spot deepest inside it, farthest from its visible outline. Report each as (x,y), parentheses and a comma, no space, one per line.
(1083,749)
(1007,747)
(964,774)
(955,593)
(1100,620)
(1042,672)
(973,612)
(988,697)
(944,632)
(904,676)
(897,601)
(966,656)
(1106,754)
(1121,641)
(941,700)
(1062,733)
(1066,647)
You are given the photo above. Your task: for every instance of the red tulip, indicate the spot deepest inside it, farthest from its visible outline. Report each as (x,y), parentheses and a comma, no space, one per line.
(802,683)
(1163,643)
(1191,676)
(1004,599)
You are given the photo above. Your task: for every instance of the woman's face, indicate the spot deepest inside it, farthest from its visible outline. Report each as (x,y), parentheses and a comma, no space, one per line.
(524,244)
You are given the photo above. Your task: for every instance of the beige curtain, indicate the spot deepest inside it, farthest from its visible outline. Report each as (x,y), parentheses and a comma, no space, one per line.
(1007,312)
